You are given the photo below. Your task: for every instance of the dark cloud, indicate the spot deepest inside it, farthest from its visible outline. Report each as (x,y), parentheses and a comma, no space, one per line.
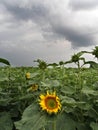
(32,29)
(17,55)
(44,17)
(22,55)
(36,12)
(77,37)
(83,4)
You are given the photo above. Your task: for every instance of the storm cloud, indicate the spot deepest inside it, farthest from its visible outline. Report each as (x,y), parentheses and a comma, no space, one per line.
(35,26)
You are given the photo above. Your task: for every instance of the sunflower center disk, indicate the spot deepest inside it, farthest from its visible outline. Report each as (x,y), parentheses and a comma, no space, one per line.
(51,103)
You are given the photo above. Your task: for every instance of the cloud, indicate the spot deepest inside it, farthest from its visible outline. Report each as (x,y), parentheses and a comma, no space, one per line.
(26,11)
(83,4)
(22,55)
(76,36)
(50,23)
(43,28)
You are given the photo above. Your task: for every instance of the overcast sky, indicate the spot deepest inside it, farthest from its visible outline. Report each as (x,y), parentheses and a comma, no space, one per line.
(49,30)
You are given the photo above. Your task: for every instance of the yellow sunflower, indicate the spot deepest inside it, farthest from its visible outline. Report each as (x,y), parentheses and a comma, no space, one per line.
(28,75)
(50,102)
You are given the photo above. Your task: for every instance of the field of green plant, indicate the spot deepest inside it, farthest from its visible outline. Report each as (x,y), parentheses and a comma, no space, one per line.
(49,96)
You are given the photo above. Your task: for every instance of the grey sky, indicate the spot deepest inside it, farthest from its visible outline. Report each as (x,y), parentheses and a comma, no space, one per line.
(48,30)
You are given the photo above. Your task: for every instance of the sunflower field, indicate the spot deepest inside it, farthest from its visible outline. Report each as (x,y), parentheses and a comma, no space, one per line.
(49,97)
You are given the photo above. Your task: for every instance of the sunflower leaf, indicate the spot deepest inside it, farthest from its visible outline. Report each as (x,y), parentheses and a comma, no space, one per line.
(32,119)
(4,61)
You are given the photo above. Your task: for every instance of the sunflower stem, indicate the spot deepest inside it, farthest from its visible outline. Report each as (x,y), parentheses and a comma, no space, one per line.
(54,125)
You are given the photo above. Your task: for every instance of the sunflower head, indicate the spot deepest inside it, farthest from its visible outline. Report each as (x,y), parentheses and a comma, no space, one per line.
(50,102)
(28,75)
(75,58)
(33,87)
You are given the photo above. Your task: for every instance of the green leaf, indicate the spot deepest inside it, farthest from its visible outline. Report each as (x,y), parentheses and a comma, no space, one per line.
(82,126)
(32,119)
(92,64)
(5,101)
(4,61)
(50,83)
(68,100)
(5,121)
(82,52)
(89,91)
(53,64)
(68,90)
(62,122)
(94,126)
(67,62)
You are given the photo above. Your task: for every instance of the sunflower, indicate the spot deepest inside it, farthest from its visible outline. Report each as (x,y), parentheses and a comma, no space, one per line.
(33,87)
(50,102)
(28,75)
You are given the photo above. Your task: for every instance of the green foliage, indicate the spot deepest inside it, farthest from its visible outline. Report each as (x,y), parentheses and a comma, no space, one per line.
(76,58)
(31,119)
(92,64)
(94,126)
(77,90)
(34,119)
(41,64)
(95,52)
(5,121)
